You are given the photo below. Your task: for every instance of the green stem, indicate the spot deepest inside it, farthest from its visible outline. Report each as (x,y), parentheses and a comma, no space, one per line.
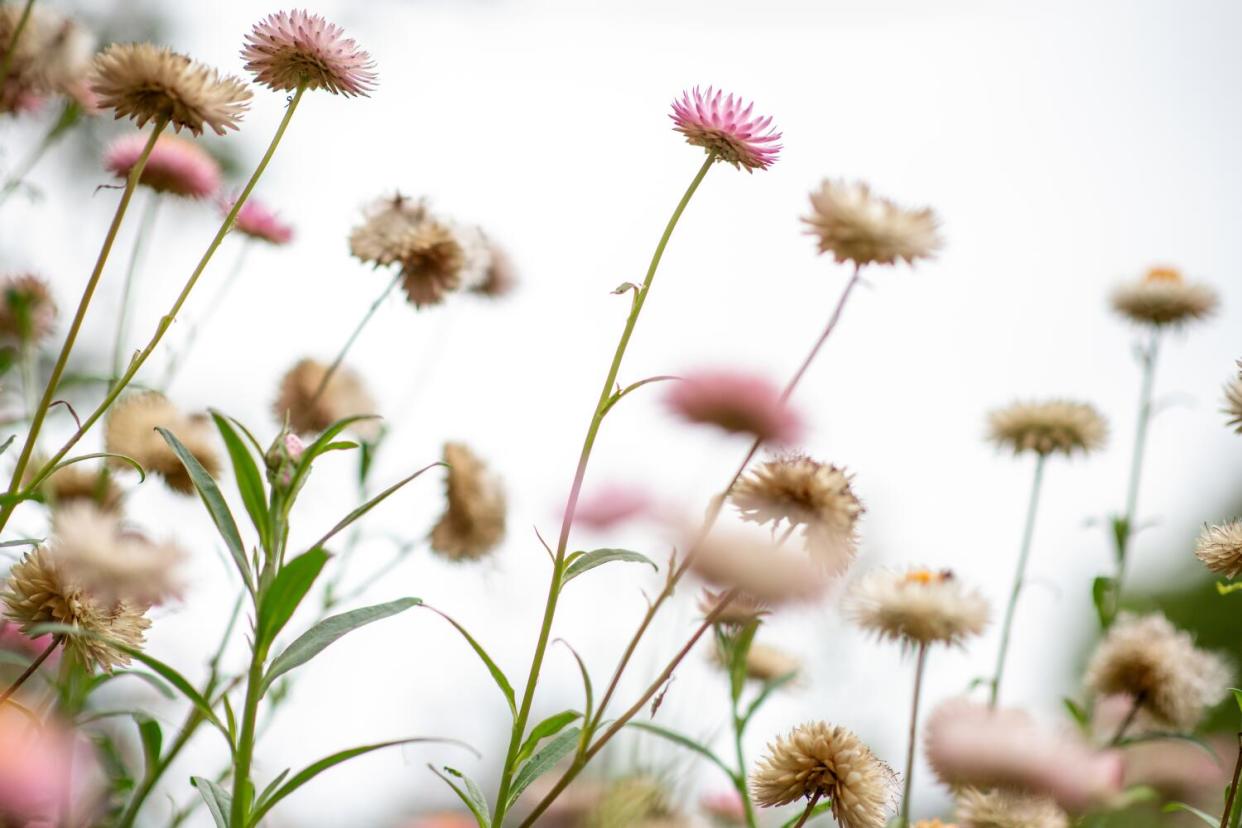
(7,62)
(353,337)
(752,819)
(1233,787)
(151,778)
(914,733)
(1019,576)
(28,357)
(1136,459)
(145,226)
(558,566)
(178,358)
(240,811)
(810,809)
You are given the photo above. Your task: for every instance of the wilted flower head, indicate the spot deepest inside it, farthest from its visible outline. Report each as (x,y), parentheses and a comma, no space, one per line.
(149,83)
(611,505)
(431,264)
(917,607)
(500,277)
(256,220)
(725,127)
(38,592)
(856,226)
(724,806)
(381,238)
(1220,548)
(765,663)
(761,570)
(1233,402)
(1005,809)
(294,48)
(94,552)
(970,744)
(175,165)
(310,408)
(737,402)
(1163,297)
(131,431)
(52,55)
(473,522)
(27,311)
(818,758)
(1158,666)
(433,255)
(36,760)
(1047,427)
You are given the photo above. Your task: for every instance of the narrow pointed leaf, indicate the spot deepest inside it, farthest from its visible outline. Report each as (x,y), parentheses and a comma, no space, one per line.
(548,727)
(219,803)
(498,675)
(124,458)
(371,504)
(249,481)
(1173,807)
(480,817)
(288,589)
(152,737)
(271,787)
(543,761)
(586,561)
(686,742)
(477,802)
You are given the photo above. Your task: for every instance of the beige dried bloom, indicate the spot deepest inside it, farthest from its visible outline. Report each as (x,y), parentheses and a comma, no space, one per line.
(27,310)
(854,225)
(1220,548)
(633,802)
(431,266)
(473,522)
(917,607)
(36,592)
(1164,298)
(130,431)
(1047,427)
(765,663)
(379,240)
(1158,666)
(829,761)
(763,572)
(740,610)
(1004,809)
(500,277)
(1233,402)
(95,553)
(149,83)
(52,55)
(311,410)
(77,484)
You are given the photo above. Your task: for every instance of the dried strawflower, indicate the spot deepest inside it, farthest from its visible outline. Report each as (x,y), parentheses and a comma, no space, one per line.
(381,238)
(175,165)
(1220,548)
(130,431)
(818,759)
(295,49)
(1158,666)
(856,226)
(763,572)
(473,522)
(1163,298)
(149,83)
(76,484)
(917,607)
(500,278)
(739,403)
(765,663)
(725,128)
(310,408)
(1005,809)
(632,802)
(53,55)
(742,609)
(1233,402)
(37,592)
(970,744)
(36,767)
(97,555)
(431,263)
(27,311)
(1047,427)
(256,220)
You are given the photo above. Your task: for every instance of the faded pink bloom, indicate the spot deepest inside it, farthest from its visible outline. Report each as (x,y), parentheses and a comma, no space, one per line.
(14,640)
(35,762)
(175,166)
(294,446)
(749,561)
(291,49)
(610,505)
(448,819)
(724,126)
(736,402)
(258,221)
(969,744)
(724,807)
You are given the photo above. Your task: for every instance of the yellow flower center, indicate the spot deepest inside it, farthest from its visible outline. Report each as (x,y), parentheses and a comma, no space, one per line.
(1163,274)
(926,576)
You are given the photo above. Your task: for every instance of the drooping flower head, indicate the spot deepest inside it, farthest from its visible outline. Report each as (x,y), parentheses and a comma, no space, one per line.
(256,220)
(738,402)
(473,522)
(130,431)
(175,166)
(854,225)
(1220,548)
(1164,298)
(94,552)
(27,311)
(149,83)
(818,758)
(917,607)
(310,409)
(725,127)
(436,257)
(431,266)
(1005,809)
(295,48)
(1047,427)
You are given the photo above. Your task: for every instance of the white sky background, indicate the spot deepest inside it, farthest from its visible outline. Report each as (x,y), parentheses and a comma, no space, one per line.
(1066,146)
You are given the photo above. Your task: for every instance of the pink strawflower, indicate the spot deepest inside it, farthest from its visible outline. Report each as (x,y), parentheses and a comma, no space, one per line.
(295,48)
(736,402)
(724,127)
(610,505)
(724,807)
(35,762)
(175,166)
(258,221)
(969,744)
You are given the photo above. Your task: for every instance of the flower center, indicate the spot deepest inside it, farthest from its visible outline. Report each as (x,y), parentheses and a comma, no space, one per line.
(1163,274)
(926,576)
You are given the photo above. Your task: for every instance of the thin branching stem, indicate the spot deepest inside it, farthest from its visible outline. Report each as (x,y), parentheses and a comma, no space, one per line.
(911,748)
(6,63)
(30,670)
(1233,787)
(353,337)
(1147,356)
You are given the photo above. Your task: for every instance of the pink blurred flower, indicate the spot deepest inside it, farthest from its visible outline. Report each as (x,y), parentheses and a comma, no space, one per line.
(175,165)
(725,127)
(736,402)
(970,744)
(610,505)
(447,819)
(748,560)
(15,641)
(291,49)
(258,221)
(725,807)
(35,763)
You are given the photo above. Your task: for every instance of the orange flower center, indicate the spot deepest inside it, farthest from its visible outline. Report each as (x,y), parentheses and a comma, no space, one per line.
(1163,274)
(926,576)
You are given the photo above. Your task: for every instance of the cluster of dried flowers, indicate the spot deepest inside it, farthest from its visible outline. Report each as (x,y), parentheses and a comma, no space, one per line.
(79,600)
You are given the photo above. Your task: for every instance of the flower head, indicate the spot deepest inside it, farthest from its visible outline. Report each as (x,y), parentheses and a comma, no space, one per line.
(175,165)
(77,484)
(311,405)
(737,402)
(917,607)
(131,431)
(1158,666)
(1005,809)
(52,55)
(291,49)
(431,263)
(1233,402)
(857,226)
(381,238)
(36,767)
(257,221)
(435,257)
(1220,548)
(1047,427)
(95,553)
(149,83)
(473,522)
(760,570)
(725,128)
(500,277)
(724,806)
(1163,298)
(38,592)
(765,663)
(818,758)
(27,311)
(611,505)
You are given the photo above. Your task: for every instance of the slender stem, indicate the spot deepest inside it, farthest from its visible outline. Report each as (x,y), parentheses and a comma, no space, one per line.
(752,820)
(30,671)
(58,369)
(145,226)
(23,169)
(1136,459)
(1028,532)
(240,810)
(151,778)
(353,337)
(1135,706)
(1233,787)
(28,357)
(914,734)
(810,809)
(7,62)
(178,359)
(558,567)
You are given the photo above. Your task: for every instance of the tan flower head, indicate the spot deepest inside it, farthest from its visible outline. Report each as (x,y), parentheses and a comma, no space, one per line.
(1163,297)
(78,484)
(431,264)
(96,554)
(1220,548)
(500,278)
(131,431)
(741,610)
(765,663)
(473,522)
(1047,427)
(1003,809)
(854,225)
(818,758)
(37,593)
(763,572)
(53,54)
(633,802)
(917,607)
(379,239)
(149,83)
(1148,659)
(311,410)
(27,311)
(1233,402)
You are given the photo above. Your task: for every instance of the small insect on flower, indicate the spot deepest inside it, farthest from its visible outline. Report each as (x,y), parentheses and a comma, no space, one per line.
(917,607)
(1004,809)
(27,311)
(1220,548)
(737,402)
(292,49)
(131,431)
(175,165)
(257,221)
(311,405)
(725,127)
(854,225)
(473,522)
(1163,298)
(1046,427)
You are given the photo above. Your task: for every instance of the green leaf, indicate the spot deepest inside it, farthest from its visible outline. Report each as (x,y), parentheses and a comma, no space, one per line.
(738,649)
(249,481)
(589,707)
(548,727)
(371,504)
(1173,807)
(1237,697)
(543,761)
(497,674)
(1121,535)
(1104,596)
(21,542)
(216,507)
(823,807)
(271,787)
(585,561)
(481,816)
(152,741)
(156,682)
(475,800)
(319,446)
(219,803)
(124,458)
(1080,716)
(1223,588)
(686,742)
(314,640)
(288,589)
